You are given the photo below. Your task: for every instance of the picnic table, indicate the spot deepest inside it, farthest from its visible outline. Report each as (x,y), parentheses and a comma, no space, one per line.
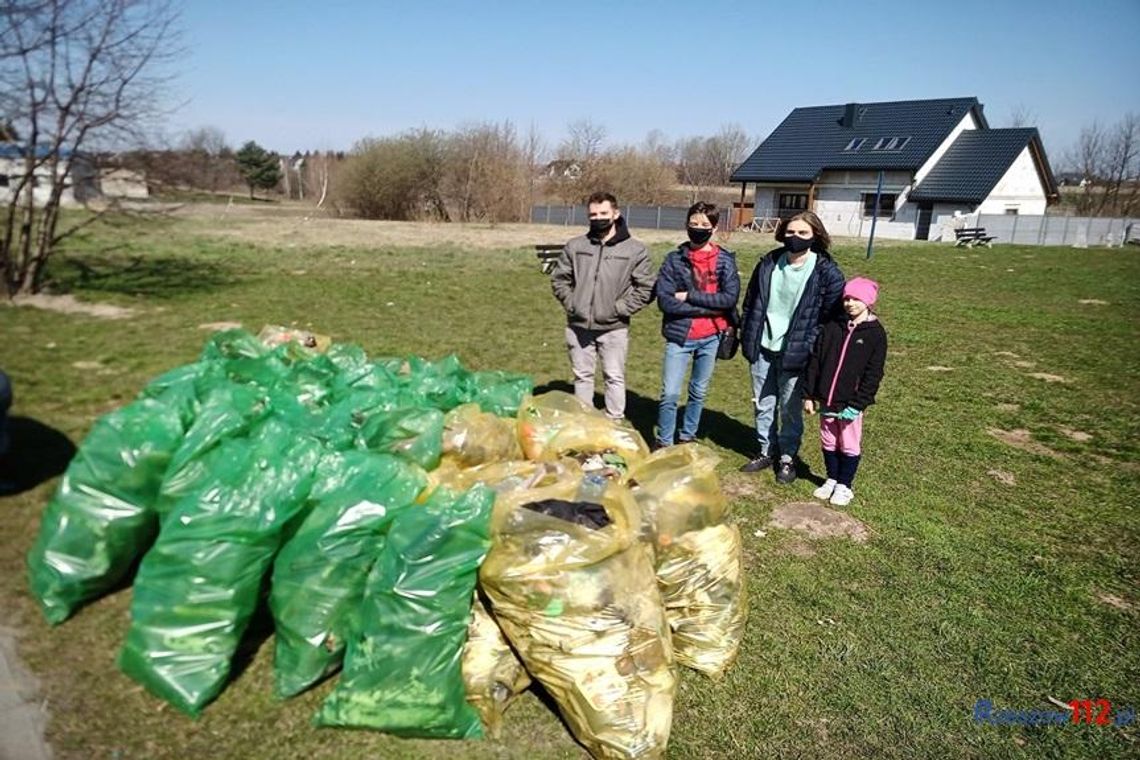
(548,254)
(972,236)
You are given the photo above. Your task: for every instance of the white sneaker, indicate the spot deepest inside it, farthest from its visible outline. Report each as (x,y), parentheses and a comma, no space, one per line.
(824,492)
(841,496)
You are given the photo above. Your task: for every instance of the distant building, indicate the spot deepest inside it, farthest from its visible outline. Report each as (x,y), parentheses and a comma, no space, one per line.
(937,157)
(80,185)
(123,184)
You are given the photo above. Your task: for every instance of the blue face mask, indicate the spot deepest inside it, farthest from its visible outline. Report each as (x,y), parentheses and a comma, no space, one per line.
(797,244)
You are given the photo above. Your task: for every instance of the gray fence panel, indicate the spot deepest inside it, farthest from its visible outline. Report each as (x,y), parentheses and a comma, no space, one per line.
(1055,230)
(646,217)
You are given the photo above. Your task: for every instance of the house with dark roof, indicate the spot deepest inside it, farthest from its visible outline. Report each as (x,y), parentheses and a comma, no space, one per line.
(936,157)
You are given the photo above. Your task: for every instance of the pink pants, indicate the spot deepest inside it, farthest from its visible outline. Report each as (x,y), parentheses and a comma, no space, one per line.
(847,437)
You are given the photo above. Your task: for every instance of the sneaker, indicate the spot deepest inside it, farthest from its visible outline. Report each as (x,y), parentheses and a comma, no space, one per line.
(760,463)
(824,492)
(785,470)
(841,496)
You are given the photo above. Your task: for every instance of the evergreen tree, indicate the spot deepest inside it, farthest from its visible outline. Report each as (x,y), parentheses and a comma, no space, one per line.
(258,167)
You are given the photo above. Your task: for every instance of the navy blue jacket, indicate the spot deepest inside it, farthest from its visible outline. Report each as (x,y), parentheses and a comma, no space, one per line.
(676,275)
(821,300)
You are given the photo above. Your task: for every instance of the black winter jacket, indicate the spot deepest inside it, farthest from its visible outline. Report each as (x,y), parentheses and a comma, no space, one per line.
(820,302)
(676,275)
(859,374)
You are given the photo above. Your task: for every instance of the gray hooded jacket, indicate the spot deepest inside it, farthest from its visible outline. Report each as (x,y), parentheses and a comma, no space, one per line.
(602,285)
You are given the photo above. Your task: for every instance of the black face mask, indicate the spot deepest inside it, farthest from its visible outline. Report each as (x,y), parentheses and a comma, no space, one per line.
(599,227)
(699,236)
(797,244)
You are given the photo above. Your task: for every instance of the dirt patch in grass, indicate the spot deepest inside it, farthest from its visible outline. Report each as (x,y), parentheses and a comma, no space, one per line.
(1024,364)
(1020,438)
(1093,302)
(1003,477)
(1048,377)
(218,326)
(1010,354)
(1008,407)
(67,304)
(1079,436)
(739,487)
(939,368)
(817,521)
(1112,600)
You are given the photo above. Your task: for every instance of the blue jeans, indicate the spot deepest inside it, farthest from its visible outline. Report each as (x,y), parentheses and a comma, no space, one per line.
(772,386)
(702,352)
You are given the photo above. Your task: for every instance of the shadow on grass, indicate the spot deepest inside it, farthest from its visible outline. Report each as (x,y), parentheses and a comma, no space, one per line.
(37,453)
(641,411)
(158,277)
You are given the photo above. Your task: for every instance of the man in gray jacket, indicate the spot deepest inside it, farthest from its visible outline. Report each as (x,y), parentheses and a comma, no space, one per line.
(602,279)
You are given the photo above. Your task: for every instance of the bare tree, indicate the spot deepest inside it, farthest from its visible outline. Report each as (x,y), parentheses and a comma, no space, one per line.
(1022,115)
(708,162)
(1108,160)
(584,140)
(74,74)
(207,157)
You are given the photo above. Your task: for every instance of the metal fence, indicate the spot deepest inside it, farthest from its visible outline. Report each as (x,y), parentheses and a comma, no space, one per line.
(651,217)
(1059,230)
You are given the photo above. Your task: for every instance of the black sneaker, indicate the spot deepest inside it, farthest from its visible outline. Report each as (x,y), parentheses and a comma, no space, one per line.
(785,471)
(760,463)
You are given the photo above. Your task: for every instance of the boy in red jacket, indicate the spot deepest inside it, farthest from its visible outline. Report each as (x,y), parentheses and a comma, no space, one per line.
(841,380)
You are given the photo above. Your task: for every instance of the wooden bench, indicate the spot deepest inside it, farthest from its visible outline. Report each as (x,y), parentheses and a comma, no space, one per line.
(972,236)
(548,254)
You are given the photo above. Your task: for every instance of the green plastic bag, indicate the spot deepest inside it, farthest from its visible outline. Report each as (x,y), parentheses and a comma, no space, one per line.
(500,393)
(412,434)
(102,517)
(228,411)
(402,670)
(200,584)
(319,576)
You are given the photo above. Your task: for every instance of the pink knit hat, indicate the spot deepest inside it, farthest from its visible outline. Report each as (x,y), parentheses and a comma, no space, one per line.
(865,290)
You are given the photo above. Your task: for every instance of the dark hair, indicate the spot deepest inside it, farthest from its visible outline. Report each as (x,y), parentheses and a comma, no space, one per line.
(601,197)
(822,239)
(708,209)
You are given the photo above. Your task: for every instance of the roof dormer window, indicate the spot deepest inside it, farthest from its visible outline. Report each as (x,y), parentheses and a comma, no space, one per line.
(855,144)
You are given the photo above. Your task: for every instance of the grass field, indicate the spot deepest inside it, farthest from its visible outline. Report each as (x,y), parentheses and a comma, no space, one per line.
(999,487)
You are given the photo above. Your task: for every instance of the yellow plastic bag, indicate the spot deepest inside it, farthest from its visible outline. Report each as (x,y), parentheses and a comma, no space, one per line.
(699,562)
(492,673)
(575,594)
(557,424)
(501,477)
(472,437)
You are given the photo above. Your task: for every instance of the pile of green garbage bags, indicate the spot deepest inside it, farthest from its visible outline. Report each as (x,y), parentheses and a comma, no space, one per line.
(438,537)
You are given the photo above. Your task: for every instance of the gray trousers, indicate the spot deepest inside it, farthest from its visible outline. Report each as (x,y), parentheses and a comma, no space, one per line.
(613,346)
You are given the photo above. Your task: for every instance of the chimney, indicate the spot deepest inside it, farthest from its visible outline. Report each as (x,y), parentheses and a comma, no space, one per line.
(850,112)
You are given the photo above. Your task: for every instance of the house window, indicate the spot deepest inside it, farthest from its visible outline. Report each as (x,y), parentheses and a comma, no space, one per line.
(890,143)
(886,208)
(1011,212)
(792,203)
(856,143)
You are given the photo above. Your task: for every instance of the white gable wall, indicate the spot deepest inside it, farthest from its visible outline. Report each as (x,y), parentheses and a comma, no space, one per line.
(1019,189)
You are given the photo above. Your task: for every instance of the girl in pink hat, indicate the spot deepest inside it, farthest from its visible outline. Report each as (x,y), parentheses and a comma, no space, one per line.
(840,382)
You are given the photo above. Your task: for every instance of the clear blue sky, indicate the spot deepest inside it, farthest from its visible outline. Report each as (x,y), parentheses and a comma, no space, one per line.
(320,75)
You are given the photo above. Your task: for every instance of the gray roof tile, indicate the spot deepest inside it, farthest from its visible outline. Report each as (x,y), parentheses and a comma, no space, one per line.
(975,162)
(812,139)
